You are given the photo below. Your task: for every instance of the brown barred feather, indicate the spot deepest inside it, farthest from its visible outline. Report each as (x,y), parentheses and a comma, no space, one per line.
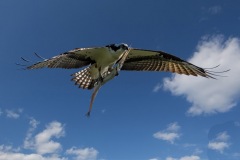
(177,69)
(166,68)
(190,71)
(171,67)
(83,79)
(65,60)
(162,66)
(158,66)
(152,66)
(182,69)
(146,60)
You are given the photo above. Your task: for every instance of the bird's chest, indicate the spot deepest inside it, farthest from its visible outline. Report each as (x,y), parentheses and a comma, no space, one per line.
(105,59)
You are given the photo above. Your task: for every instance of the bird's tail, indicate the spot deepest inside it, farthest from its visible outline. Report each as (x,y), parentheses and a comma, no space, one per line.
(83,79)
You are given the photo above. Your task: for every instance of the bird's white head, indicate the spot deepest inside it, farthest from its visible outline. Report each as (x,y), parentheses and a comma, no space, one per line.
(118,47)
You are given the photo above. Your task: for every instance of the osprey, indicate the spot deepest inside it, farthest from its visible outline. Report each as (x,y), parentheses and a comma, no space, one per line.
(104,63)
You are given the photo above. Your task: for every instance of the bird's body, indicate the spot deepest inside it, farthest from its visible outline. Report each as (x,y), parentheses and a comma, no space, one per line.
(104,63)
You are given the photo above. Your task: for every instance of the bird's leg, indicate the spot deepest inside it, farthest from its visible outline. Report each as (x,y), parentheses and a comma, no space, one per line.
(101,77)
(121,61)
(111,75)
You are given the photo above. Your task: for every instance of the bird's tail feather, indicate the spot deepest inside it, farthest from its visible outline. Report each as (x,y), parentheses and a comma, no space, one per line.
(83,79)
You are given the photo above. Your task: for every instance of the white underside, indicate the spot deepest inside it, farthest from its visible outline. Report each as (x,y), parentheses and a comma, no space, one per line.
(104,61)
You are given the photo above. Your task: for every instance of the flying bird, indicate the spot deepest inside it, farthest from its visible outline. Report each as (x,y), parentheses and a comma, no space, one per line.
(104,63)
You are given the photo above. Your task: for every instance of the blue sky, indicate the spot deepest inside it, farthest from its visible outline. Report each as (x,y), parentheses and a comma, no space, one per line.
(143,116)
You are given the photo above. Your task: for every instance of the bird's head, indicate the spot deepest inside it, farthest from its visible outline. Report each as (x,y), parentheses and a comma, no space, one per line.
(117,47)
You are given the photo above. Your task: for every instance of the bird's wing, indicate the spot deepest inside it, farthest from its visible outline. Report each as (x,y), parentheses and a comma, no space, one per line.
(147,60)
(76,58)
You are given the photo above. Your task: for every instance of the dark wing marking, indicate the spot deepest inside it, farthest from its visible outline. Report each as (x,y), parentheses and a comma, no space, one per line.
(76,58)
(147,60)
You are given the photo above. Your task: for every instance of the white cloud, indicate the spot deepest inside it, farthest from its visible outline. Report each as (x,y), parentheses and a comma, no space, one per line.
(83,153)
(209,96)
(192,157)
(157,87)
(171,137)
(223,136)
(14,114)
(33,123)
(154,159)
(4,148)
(170,134)
(220,143)
(43,147)
(22,156)
(170,158)
(29,142)
(43,141)
(10,153)
(218,146)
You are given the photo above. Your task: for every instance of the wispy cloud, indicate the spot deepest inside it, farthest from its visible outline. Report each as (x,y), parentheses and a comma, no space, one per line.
(220,143)
(189,145)
(103,111)
(237,124)
(157,87)
(166,136)
(170,134)
(1,112)
(197,151)
(6,148)
(83,153)
(209,96)
(215,9)
(236,154)
(194,147)
(192,157)
(218,146)
(209,12)
(173,127)
(14,114)
(153,159)
(223,136)
(44,148)
(9,155)
(29,141)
